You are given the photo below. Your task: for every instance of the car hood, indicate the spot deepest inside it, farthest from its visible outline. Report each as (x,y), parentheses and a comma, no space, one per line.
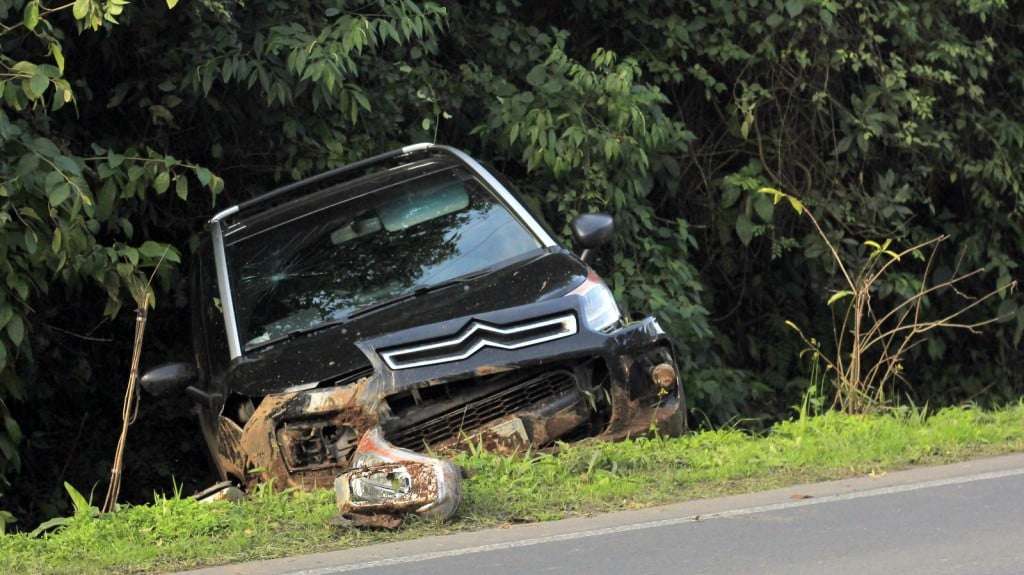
(331,353)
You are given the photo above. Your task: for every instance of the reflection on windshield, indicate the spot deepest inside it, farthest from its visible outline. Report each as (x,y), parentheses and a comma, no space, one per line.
(321,267)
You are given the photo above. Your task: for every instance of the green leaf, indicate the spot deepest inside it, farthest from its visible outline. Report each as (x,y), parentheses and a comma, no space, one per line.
(31,241)
(1007,309)
(181,187)
(839,295)
(536,75)
(796,204)
(68,165)
(81,9)
(12,428)
(54,179)
(162,182)
(843,145)
(132,255)
(764,207)
(24,68)
(57,194)
(50,524)
(31,17)
(203,175)
(794,7)
(7,448)
(125,270)
(19,285)
(775,195)
(38,85)
(362,100)
(5,518)
(161,114)
(78,500)
(826,17)
(171,4)
(58,56)
(152,249)
(729,197)
(744,229)
(16,330)
(105,201)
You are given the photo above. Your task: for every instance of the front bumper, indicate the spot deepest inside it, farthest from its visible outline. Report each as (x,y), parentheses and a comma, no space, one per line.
(606,385)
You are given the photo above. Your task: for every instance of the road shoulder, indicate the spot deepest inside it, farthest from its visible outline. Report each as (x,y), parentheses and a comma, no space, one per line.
(579,527)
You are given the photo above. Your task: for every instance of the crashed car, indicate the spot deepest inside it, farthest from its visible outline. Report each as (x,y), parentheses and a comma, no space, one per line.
(408,303)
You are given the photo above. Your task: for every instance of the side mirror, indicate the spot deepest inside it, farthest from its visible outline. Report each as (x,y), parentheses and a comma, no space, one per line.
(168,379)
(591,231)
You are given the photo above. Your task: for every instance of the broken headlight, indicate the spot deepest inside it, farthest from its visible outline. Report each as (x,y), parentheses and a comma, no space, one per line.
(389,480)
(599,307)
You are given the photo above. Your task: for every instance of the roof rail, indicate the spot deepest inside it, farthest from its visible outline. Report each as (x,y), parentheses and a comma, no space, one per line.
(403,151)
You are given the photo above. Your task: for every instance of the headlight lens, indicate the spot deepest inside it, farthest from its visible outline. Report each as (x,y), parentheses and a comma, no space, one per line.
(599,307)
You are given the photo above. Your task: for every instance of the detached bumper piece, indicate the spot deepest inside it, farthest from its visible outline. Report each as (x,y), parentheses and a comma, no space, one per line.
(386,483)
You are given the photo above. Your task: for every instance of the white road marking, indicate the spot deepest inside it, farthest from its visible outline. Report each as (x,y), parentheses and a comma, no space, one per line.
(655,524)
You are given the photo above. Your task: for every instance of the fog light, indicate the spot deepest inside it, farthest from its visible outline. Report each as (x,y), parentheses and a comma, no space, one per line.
(663,375)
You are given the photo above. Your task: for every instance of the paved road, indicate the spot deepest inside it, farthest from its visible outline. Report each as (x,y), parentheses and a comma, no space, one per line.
(966,518)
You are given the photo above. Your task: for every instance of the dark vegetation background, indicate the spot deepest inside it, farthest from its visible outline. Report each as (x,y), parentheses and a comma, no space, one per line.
(123,127)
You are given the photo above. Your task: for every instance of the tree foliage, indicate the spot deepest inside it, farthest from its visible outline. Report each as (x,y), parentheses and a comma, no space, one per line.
(124,125)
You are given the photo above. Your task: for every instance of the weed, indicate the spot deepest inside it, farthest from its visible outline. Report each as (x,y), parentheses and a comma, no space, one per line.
(870,345)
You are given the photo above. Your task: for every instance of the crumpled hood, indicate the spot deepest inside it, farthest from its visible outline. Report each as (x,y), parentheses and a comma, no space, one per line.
(332,352)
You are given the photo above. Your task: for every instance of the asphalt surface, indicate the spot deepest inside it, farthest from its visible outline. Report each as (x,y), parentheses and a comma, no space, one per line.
(964,518)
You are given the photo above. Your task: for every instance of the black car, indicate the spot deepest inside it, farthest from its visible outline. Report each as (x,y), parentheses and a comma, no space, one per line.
(412,293)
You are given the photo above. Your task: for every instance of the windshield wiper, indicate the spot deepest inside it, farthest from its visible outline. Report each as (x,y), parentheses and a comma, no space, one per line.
(297,332)
(378,305)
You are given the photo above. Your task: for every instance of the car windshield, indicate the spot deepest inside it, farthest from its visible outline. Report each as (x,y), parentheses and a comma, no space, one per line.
(322,266)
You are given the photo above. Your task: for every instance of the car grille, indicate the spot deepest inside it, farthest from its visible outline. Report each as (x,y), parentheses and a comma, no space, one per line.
(476,413)
(476,336)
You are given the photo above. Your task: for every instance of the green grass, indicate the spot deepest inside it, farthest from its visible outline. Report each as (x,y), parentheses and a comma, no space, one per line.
(175,533)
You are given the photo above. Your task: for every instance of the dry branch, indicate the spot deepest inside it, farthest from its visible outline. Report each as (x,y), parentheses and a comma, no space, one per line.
(870,348)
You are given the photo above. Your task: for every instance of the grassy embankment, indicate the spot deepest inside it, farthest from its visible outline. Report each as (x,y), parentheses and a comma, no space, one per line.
(174,533)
